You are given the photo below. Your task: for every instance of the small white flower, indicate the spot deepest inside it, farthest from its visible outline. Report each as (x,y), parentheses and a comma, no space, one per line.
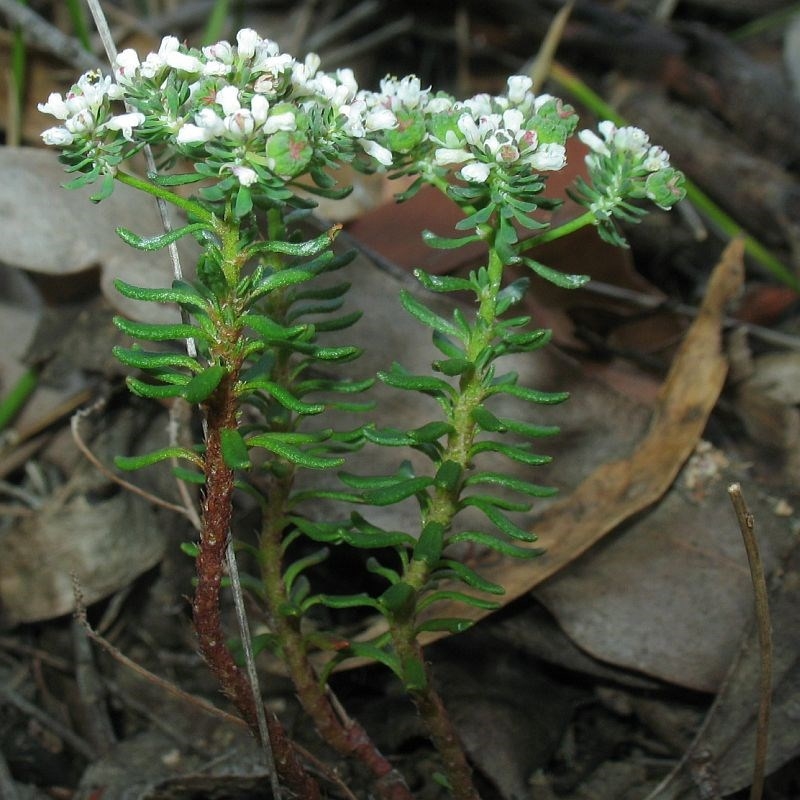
(82,122)
(59,137)
(439,105)
(518,87)
(475,172)
(247,40)
(125,123)
(221,51)
(245,175)
(192,134)
(183,62)
(631,139)
(207,119)
(513,119)
(127,64)
(380,119)
(285,121)
(467,126)
(594,142)
(228,98)
(548,157)
(216,69)
(240,124)
(451,155)
(657,158)
(55,106)
(259,107)
(381,154)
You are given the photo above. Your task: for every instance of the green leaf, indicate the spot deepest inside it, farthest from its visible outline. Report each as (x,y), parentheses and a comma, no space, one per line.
(280,280)
(468,575)
(389,495)
(154,332)
(530,395)
(271,330)
(294,454)
(174,180)
(454,366)
(427,317)
(500,520)
(515,453)
(488,421)
(151,391)
(142,359)
(137,462)
(451,625)
(445,243)
(399,378)
(451,595)
(202,386)
(234,449)
(244,202)
(281,395)
(362,600)
(398,599)
(370,652)
(499,545)
(415,678)
(430,543)
(448,476)
(312,247)
(514,484)
(443,283)
(150,243)
(561,279)
(299,565)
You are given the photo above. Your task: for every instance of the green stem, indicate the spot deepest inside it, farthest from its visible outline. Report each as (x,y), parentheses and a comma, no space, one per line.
(192,208)
(587,218)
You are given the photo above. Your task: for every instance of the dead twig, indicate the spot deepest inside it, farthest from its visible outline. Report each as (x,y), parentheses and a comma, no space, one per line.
(764,627)
(75,422)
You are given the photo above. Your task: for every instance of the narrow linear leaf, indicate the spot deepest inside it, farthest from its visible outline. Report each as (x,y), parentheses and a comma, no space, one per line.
(202,386)
(293,454)
(470,577)
(142,359)
(443,283)
(181,293)
(519,454)
(234,449)
(174,180)
(448,243)
(153,391)
(401,490)
(424,315)
(494,543)
(150,243)
(154,332)
(137,462)
(452,595)
(282,395)
(528,394)
(450,625)
(507,482)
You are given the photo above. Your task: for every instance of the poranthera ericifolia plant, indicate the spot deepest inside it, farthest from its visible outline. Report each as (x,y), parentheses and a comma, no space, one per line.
(245,135)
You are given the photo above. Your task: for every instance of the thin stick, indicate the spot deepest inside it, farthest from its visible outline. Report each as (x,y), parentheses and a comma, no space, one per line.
(747,526)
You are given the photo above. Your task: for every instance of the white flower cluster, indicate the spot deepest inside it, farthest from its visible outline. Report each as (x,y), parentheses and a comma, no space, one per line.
(82,111)
(499,132)
(630,140)
(624,164)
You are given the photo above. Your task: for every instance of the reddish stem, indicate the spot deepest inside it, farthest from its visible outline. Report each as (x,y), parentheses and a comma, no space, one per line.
(217,511)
